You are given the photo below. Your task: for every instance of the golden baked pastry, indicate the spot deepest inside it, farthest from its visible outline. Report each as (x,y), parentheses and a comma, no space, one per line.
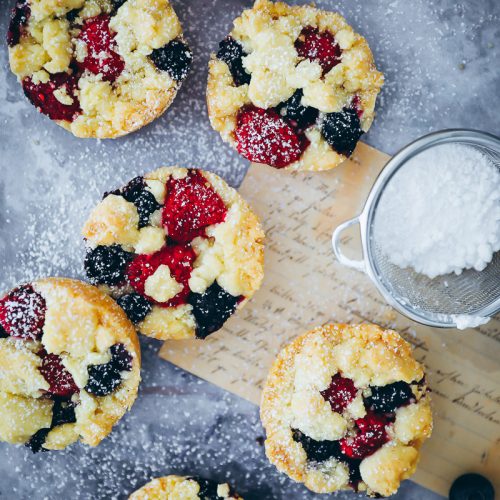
(183,488)
(69,364)
(292,87)
(179,249)
(99,68)
(346,406)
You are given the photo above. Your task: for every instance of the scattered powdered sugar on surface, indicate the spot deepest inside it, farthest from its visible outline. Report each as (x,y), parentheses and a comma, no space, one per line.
(440,212)
(439,63)
(464,321)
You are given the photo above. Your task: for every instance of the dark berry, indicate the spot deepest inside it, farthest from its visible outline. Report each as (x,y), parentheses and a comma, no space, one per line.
(317,451)
(231,52)
(101,58)
(72,15)
(132,190)
(208,488)
(35,443)
(22,313)
(103,379)
(60,380)
(121,358)
(41,95)
(178,258)
(354,472)
(319,46)
(263,136)
(471,487)
(63,412)
(191,204)
(212,308)
(342,130)
(339,393)
(19,17)
(3,333)
(300,117)
(136,306)
(117,4)
(175,58)
(107,264)
(388,398)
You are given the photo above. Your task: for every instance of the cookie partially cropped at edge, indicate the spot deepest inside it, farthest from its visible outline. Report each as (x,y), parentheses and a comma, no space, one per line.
(292,87)
(346,407)
(185,488)
(69,364)
(179,249)
(98,68)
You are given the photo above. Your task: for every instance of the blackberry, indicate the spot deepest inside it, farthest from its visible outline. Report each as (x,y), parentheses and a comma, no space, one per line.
(300,116)
(19,17)
(211,309)
(175,58)
(231,52)
(116,4)
(63,412)
(208,489)
(317,451)
(35,443)
(136,306)
(342,130)
(388,398)
(107,264)
(72,15)
(103,379)
(3,333)
(121,358)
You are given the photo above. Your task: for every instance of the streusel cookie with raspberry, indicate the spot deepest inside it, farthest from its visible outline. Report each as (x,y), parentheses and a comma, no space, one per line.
(99,68)
(346,406)
(179,249)
(292,87)
(69,364)
(184,488)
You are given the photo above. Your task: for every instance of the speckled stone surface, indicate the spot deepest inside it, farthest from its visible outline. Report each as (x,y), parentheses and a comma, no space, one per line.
(441,60)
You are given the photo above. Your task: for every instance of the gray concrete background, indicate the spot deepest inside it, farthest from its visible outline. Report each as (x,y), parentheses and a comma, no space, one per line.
(441,59)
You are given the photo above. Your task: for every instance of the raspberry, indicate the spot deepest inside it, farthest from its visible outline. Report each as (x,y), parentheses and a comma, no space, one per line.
(178,258)
(19,17)
(41,95)
(101,58)
(263,136)
(191,205)
(231,52)
(175,58)
(317,451)
(339,393)
(318,46)
(300,117)
(342,130)
(136,307)
(60,380)
(22,313)
(356,105)
(107,264)
(388,398)
(371,436)
(212,309)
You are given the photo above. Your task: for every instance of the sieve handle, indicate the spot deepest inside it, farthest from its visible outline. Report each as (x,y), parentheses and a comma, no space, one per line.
(346,261)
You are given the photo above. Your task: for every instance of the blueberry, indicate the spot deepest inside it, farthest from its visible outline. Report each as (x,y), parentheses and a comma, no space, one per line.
(121,358)
(388,398)
(292,110)
(211,309)
(103,379)
(175,58)
(342,130)
(35,443)
(208,489)
(136,306)
(19,17)
(107,264)
(231,52)
(63,412)
(317,451)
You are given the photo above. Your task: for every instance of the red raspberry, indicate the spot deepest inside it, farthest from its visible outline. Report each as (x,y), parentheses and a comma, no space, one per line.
(356,105)
(22,313)
(263,136)
(179,259)
(101,57)
(42,96)
(371,436)
(318,46)
(60,380)
(191,205)
(339,393)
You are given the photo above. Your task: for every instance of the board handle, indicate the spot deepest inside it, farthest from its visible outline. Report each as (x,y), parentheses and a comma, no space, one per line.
(346,261)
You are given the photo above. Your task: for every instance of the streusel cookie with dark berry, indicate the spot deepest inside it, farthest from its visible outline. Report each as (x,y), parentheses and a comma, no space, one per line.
(346,407)
(292,87)
(69,364)
(99,68)
(179,249)
(184,488)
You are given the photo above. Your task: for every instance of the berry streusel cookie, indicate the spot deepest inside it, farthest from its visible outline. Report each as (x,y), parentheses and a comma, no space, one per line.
(179,249)
(99,68)
(292,87)
(183,488)
(346,407)
(69,364)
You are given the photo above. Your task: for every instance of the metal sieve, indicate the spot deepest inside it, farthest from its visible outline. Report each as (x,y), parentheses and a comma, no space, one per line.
(434,302)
